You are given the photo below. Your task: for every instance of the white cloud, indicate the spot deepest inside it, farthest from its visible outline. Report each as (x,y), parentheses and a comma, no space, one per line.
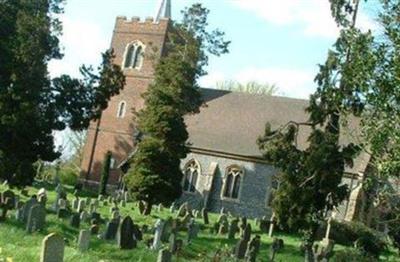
(211,79)
(312,16)
(83,42)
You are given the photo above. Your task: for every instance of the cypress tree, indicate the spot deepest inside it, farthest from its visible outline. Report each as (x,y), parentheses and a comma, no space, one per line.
(105,173)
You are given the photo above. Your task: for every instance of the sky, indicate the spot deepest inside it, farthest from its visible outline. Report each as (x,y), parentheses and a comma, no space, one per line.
(277,42)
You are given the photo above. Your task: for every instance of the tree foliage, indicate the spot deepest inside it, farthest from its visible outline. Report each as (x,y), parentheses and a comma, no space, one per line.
(105,173)
(155,174)
(32,105)
(251,87)
(310,184)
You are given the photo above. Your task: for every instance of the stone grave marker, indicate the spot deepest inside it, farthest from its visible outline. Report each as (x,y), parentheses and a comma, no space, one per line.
(75,204)
(159,225)
(52,249)
(126,238)
(27,207)
(111,230)
(240,249)
(36,218)
(247,233)
(84,240)
(164,255)
(81,205)
(204,214)
(75,220)
(233,228)
(84,216)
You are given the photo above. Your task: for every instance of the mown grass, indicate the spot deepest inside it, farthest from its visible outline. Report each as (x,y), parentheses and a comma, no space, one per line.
(20,246)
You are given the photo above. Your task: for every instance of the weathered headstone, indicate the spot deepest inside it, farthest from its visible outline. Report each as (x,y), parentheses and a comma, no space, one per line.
(157,235)
(36,218)
(84,216)
(233,228)
(75,204)
(141,207)
(182,211)
(247,233)
(125,234)
(27,207)
(52,249)
(204,214)
(240,249)
(164,255)
(111,230)
(75,220)
(81,205)
(84,240)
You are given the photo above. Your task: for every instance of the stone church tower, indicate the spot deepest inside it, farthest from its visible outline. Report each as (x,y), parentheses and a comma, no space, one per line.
(133,42)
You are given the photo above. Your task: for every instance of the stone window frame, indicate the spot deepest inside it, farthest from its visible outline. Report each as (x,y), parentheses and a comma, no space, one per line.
(188,163)
(134,55)
(121,109)
(241,173)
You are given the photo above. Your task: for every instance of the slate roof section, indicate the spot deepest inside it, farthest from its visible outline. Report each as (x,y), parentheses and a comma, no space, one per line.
(231,122)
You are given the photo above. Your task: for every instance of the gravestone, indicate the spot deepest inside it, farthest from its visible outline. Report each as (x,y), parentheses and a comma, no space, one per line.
(138,235)
(264,225)
(164,255)
(100,197)
(186,219)
(36,218)
(172,243)
(84,216)
(141,207)
(172,208)
(247,233)
(42,199)
(277,245)
(193,230)
(84,240)
(253,248)
(122,203)
(182,211)
(167,229)
(88,201)
(160,208)
(240,249)
(204,214)
(111,230)
(222,218)
(19,213)
(75,220)
(81,205)
(233,228)
(271,225)
(27,207)
(75,204)
(52,249)
(223,227)
(125,234)
(94,229)
(96,216)
(159,225)
(8,194)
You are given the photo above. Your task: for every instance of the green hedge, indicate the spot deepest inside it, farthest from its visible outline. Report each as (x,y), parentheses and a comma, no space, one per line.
(367,240)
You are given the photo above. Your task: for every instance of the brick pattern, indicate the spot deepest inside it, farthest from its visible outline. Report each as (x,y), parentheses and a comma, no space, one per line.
(110,132)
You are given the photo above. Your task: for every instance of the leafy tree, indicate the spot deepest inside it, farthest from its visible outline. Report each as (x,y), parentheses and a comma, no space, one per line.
(105,173)
(32,105)
(310,184)
(155,174)
(251,87)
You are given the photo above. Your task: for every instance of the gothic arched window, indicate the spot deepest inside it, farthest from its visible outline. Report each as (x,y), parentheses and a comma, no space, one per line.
(134,55)
(232,182)
(121,109)
(191,172)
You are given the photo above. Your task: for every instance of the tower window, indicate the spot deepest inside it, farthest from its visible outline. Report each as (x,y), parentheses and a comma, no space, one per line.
(121,109)
(134,55)
(232,182)
(191,172)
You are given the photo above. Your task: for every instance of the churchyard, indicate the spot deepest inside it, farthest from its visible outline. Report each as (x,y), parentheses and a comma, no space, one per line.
(51,231)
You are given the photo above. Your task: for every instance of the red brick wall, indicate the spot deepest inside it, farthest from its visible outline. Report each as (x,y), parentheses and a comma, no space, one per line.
(113,133)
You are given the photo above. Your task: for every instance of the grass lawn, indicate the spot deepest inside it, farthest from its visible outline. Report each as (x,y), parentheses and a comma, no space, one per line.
(20,246)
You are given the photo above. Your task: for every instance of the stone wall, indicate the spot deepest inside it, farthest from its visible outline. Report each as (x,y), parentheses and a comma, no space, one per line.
(254,192)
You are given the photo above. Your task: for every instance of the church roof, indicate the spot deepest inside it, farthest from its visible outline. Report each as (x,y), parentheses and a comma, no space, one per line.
(231,122)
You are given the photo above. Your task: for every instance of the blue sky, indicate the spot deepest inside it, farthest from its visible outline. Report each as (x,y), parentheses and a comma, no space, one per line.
(274,41)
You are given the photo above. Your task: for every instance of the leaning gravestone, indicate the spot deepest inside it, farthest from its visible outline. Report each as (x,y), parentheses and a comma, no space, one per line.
(52,249)
(125,234)
(84,240)
(36,218)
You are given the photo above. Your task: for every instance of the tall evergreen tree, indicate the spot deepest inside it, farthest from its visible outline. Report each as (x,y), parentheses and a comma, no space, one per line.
(310,183)
(155,174)
(105,173)
(32,105)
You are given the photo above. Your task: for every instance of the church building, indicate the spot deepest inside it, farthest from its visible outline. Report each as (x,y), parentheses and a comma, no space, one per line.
(224,168)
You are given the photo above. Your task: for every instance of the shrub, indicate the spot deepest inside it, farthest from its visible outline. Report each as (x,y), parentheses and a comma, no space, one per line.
(105,173)
(351,255)
(68,177)
(350,233)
